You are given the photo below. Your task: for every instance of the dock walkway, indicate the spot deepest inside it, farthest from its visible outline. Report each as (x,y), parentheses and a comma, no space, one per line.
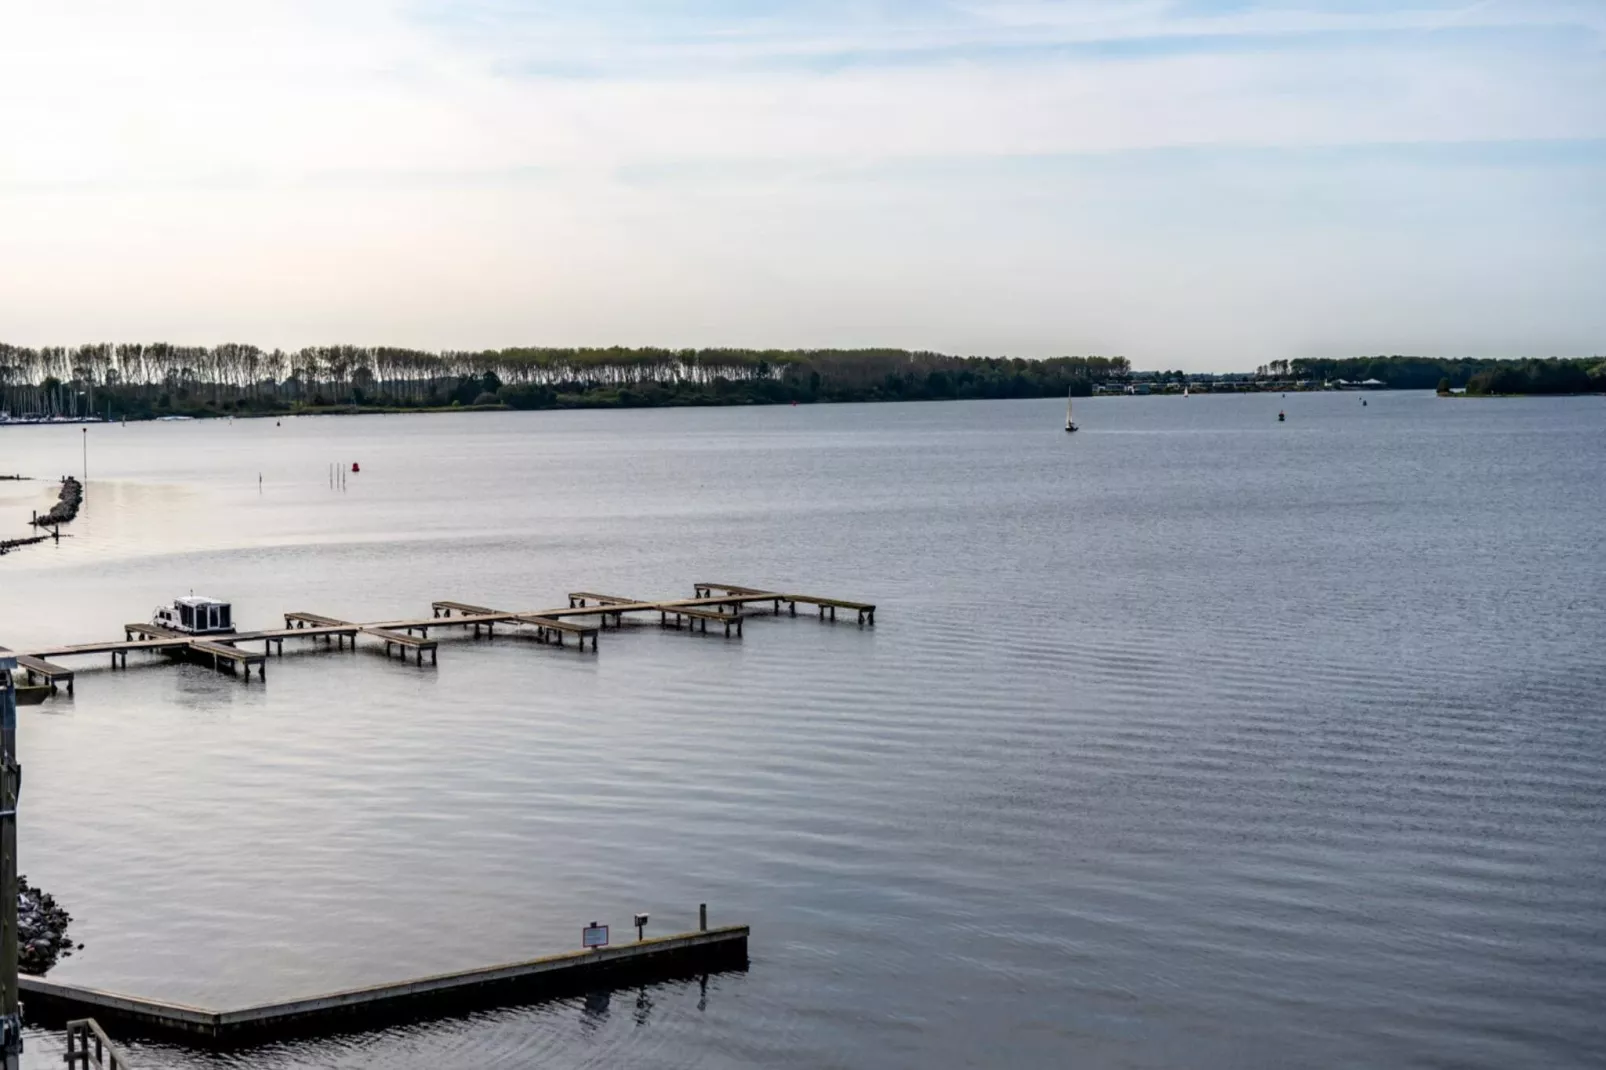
(342,629)
(653,959)
(549,628)
(724,605)
(668,615)
(39,668)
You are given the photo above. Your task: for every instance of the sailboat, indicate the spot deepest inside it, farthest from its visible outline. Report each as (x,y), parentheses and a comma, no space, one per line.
(1070,424)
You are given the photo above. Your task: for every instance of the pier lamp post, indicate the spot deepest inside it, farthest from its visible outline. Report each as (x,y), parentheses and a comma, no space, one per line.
(10,780)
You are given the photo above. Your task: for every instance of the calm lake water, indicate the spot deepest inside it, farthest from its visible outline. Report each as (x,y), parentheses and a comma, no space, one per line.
(1191,739)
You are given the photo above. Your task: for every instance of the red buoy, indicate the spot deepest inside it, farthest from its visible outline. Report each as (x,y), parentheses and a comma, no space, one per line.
(355,467)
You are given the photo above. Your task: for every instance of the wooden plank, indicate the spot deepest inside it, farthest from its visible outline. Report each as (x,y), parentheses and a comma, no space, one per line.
(463,607)
(730,588)
(401,638)
(762,596)
(108,647)
(223,650)
(155,631)
(635,605)
(41,667)
(815,600)
(446,622)
(318,631)
(316,618)
(558,625)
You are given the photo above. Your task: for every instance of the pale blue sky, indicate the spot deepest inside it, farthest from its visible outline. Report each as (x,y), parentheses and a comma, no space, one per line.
(1191,184)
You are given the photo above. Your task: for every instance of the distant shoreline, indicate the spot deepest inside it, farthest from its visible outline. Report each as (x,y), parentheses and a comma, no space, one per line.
(204,413)
(140,382)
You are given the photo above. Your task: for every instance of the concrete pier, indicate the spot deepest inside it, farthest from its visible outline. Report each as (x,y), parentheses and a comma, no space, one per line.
(650,960)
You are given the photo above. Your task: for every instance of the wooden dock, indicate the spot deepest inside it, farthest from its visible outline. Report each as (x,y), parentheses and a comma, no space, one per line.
(549,629)
(865,610)
(725,606)
(343,629)
(637,962)
(40,669)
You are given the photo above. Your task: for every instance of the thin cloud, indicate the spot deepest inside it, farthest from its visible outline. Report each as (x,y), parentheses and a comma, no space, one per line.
(825,172)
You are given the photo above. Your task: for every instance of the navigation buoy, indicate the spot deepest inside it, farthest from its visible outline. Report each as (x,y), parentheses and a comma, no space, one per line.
(355,467)
(1281,416)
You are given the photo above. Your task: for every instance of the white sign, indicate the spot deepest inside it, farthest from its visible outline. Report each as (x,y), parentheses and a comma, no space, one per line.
(594,936)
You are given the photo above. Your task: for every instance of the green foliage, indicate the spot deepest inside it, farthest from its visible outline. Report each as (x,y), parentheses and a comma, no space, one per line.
(1552,376)
(147,380)
(1539,377)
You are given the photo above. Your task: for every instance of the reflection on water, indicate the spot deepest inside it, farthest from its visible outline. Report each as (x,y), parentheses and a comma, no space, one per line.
(1194,737)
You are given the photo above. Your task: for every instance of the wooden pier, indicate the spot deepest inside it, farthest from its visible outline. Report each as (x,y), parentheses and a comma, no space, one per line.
(723,605)
(345,629)
(39,668)
(549,629)
(653,959)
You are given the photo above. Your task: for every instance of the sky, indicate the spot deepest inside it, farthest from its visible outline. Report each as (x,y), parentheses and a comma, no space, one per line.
(1198,184)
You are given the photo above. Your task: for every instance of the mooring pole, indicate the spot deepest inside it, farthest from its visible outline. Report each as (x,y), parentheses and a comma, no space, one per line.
(10,783)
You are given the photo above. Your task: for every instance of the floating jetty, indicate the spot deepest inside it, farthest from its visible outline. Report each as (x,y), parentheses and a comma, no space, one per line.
(649,960)
(586,616)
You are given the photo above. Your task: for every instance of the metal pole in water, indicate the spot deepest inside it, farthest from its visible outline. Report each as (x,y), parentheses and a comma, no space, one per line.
(10,782)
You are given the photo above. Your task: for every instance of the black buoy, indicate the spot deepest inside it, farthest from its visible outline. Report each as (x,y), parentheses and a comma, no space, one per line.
(1281,416)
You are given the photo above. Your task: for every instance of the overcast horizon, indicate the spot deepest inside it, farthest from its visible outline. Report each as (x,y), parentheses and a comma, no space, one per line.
(1195,184)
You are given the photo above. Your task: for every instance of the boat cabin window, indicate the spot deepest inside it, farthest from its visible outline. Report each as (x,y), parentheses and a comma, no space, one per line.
(223,617)
(186,616)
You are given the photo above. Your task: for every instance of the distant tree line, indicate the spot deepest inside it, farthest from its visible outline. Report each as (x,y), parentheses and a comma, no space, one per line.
(140,380)
(1551,376)
(1554,375)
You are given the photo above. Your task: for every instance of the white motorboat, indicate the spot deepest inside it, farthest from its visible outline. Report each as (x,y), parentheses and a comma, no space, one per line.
(196,615)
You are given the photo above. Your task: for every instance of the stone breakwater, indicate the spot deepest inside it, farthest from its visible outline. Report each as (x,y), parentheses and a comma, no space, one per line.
(72,496)
(42,939)
(8,545)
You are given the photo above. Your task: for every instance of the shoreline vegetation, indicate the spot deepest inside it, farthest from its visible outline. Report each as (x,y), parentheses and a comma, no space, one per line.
(151,381)
(1485,377)
(138,381)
